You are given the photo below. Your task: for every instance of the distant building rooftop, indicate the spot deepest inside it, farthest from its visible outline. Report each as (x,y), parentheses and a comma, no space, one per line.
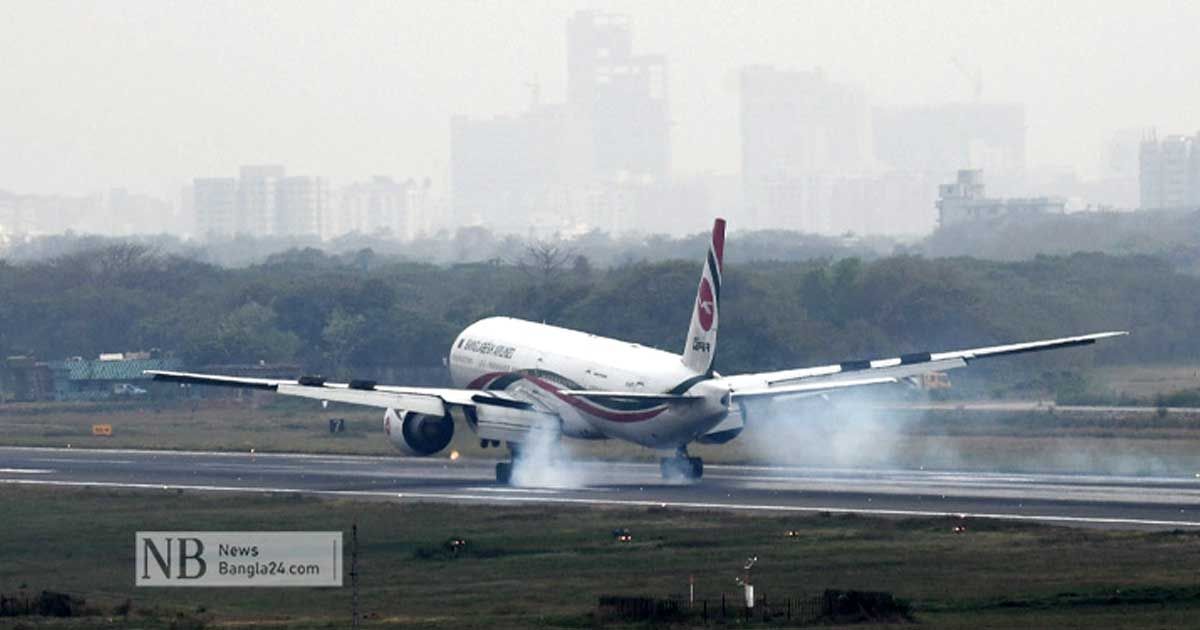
(964,201)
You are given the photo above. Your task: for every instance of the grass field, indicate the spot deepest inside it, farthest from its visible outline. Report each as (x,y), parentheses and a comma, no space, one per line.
(1044,440)
(1147,381)
(546,567)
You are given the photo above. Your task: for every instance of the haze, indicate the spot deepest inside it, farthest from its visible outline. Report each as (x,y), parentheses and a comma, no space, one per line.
(150,95)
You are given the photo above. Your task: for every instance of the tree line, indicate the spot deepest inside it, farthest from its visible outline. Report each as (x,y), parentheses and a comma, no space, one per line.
(334,314)
(1173,235)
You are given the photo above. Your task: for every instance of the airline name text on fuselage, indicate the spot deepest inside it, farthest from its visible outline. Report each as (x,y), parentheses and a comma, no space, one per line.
(487,347)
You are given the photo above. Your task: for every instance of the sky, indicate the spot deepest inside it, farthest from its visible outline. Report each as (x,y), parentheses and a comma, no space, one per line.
(149,94)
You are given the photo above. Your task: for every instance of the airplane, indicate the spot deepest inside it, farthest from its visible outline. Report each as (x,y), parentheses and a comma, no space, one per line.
(520,381)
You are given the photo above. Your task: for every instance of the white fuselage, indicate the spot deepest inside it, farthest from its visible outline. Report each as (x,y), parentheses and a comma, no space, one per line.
(535,361)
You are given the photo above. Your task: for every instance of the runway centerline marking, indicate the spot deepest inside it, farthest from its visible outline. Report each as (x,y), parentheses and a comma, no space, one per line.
(26,471)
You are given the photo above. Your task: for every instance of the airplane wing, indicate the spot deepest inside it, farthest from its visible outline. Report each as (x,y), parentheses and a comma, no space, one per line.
(820,379)
(427,400)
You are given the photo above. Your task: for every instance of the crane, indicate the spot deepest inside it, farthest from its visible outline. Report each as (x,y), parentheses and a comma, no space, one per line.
(972,74)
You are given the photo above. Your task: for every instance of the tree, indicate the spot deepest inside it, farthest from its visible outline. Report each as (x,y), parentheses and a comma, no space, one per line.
(342,336)
(544,261)
(248,335)
(582,268)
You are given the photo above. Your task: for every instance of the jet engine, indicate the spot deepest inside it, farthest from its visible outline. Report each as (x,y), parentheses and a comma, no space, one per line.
(417,433)
(729,428)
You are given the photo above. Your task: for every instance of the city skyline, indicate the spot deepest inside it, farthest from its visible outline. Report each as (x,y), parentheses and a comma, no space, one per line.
(179,90)
(817,149)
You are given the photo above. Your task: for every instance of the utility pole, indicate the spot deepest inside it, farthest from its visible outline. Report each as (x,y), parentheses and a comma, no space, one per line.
(354,616)
(535,93)
(745,582)
(973,74)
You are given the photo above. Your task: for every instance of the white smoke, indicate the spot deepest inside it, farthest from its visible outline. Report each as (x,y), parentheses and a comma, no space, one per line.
(545,461)
(846,430)
(882,428)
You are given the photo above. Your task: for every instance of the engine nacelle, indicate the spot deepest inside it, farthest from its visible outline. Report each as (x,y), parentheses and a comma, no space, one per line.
(417,433)
(729,428)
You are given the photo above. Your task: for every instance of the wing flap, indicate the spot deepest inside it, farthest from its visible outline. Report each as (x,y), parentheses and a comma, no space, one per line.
(514,425)
(420,403)
(895,372)
(799,390)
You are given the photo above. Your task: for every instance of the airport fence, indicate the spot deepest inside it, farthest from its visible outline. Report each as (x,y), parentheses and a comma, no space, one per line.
(45,604)
(795,611)
(831,606)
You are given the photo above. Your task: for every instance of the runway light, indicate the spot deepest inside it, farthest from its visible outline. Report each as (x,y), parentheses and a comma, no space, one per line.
(453,456)
(455,545)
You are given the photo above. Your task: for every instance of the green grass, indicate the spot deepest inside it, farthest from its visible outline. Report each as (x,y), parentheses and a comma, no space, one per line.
(1147,382)
(539,566)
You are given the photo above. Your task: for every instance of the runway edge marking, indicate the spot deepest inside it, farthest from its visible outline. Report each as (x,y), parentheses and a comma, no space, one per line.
(445,497)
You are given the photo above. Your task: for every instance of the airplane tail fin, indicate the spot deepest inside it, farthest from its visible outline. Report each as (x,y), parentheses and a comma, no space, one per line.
(701,344)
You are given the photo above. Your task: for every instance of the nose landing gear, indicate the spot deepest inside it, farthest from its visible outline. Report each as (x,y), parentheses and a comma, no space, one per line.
(681,467)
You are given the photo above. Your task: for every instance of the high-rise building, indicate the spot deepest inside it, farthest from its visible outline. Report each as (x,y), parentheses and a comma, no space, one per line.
(507,170)
(8,213)
(1194,174)
(382,206)
(1121,152)
(419,204)
(621,96)
(24,215)
(1169,172)
(215,203)
(800,133)
(133,213)
(797,122)
(940,139)
(559,166)
(258,204)
(302,203)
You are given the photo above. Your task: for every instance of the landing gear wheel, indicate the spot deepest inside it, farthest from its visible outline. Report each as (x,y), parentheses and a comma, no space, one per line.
(697,468)
(504,472)
(687,469)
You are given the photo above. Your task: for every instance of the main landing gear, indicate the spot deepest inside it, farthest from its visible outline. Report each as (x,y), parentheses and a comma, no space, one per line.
(504,469)
(681,467)
(504,472)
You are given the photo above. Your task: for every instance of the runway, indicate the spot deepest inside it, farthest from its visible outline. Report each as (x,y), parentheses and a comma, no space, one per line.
(1078,500)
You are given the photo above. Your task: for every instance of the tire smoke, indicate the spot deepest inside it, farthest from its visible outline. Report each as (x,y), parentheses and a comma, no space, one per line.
(546,462)
(847,430)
